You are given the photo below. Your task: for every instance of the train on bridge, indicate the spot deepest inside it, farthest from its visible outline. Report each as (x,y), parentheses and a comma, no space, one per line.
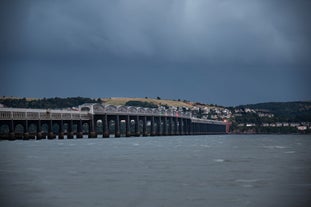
(99,120)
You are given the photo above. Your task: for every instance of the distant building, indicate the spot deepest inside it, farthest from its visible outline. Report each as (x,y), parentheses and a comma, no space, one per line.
(265,115)
(250,125)
(294,124)
(285,124)
(302,128)
(278,124)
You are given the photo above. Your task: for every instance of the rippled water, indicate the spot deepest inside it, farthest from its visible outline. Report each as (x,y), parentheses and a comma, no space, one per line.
(188,171)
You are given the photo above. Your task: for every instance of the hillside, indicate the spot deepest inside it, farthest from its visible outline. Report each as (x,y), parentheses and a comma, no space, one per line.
(158,102)
(45,103)
(57,102)
(284,111)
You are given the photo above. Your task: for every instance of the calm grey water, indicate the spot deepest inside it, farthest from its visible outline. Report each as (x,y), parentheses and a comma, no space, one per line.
(228,170)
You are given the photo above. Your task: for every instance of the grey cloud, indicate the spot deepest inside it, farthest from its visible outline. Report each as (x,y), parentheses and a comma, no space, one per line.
(212,32)
(218,51)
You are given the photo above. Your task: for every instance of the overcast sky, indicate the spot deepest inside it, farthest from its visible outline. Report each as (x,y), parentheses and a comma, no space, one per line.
(214,51)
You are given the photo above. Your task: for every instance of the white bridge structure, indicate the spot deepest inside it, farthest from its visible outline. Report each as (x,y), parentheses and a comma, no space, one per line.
(95,119)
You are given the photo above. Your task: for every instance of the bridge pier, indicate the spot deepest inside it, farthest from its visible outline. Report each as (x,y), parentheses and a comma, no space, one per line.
(180,126)
(164,126)
(26,132)
(187,125)
(144,126)
(117,126)
(137,133)
(176,132)
(171,126)
(127,126)
(79,133)
(61,130)
(106,127)
(92,132)
(26,136)
(11,135)
(152,130)
(70,130)
(159,127)
(50,130)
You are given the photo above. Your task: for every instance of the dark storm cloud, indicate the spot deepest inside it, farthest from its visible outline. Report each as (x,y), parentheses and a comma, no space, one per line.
(215,45)
(214,32)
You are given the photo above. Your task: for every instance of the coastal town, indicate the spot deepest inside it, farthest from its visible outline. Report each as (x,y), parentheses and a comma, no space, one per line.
(247,120)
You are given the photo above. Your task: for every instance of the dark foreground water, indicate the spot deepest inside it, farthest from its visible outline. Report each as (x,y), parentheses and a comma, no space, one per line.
(232,170)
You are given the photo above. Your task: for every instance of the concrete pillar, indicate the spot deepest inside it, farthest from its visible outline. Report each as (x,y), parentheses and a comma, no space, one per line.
(181,123)
(191,127)
(26,132)
(39,130)
(171,130)
(176,126)
(152,130)
(50,130)
(165,126)
(144,126)
(137,134)
(169,126)
(12,130)
(159,128)
(79,129)
(117,126)
(92,131)
(127,126)
(106,127)
(187,127)
(70,131)
(61,130)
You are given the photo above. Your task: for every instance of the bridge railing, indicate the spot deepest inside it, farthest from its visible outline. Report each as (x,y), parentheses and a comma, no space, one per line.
(131,110)
(41,114)
(47,114)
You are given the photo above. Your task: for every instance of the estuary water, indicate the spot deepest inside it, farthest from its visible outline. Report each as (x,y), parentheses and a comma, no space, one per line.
(184,171)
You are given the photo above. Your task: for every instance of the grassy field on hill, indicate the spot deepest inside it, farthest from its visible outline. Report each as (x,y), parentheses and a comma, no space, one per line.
(122,101)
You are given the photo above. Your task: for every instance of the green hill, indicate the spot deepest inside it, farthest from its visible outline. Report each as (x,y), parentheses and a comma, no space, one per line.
(299,111)
(45,103)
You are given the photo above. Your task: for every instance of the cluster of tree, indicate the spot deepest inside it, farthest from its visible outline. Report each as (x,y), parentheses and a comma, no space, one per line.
(47,103)
(284,111)
(250,118)
(141,104)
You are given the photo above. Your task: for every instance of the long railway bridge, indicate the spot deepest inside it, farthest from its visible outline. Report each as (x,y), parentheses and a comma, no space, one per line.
(99,120)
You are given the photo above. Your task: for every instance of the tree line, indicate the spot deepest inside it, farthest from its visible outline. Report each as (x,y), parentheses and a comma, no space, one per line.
(47,103)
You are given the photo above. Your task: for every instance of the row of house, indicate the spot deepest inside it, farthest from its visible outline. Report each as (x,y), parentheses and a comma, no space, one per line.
(299,126)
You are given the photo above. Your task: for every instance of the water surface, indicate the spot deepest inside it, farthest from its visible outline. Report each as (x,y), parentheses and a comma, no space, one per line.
(222,170)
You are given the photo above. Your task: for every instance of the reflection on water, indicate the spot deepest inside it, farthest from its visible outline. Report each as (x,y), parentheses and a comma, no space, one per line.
(257,170)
